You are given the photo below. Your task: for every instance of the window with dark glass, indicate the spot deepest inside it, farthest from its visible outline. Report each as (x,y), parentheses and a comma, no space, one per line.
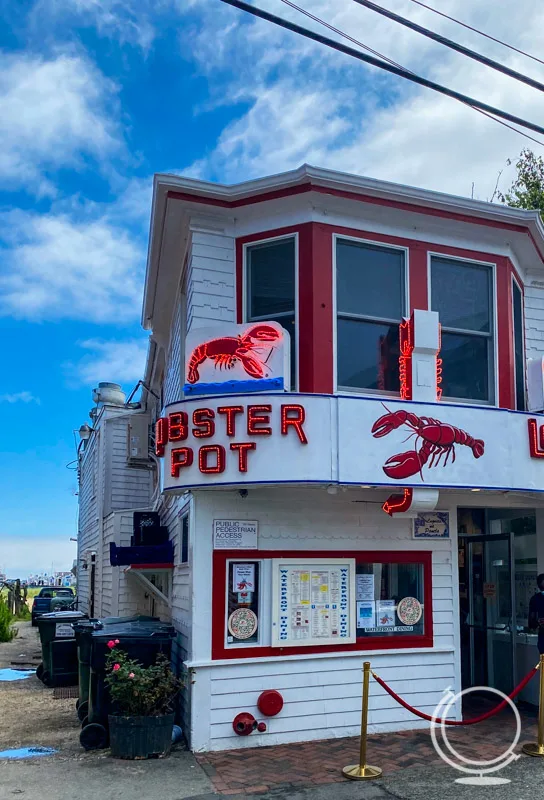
(370,303)
(242,621)
(270,288)
(519,359)
(184,555)
(390,599)
(462,294)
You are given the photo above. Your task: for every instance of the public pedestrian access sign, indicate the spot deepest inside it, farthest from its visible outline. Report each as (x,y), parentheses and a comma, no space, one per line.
(234,534)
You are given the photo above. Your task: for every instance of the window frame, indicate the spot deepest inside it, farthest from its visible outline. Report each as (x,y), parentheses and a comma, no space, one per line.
(186,512)
(519,286)
(493,364)
(263,626)
(246,290)
(350,390)
(363,644)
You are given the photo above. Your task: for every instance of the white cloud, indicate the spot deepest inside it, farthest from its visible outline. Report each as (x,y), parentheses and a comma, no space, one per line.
(66,267)
(125,21)
(56,113)
(117,361)
(308,103)
(19,397)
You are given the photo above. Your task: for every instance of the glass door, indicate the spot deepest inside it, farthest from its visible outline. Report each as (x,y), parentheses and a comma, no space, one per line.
(489,621)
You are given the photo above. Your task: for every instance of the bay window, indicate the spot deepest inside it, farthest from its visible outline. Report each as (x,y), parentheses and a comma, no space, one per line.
(370,303)
(462,294)
(270,288)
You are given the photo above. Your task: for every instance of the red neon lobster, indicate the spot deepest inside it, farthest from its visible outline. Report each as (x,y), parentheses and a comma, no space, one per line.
(439,439)
(227,350)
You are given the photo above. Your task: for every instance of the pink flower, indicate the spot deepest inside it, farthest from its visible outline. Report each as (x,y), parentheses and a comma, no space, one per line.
(116,667)
(111,644)
(117,641)
(131,675)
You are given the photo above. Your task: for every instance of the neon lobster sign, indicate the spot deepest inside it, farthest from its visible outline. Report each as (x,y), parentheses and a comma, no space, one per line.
(226,351)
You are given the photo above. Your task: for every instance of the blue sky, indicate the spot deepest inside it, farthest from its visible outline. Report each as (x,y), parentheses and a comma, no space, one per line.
(96,96)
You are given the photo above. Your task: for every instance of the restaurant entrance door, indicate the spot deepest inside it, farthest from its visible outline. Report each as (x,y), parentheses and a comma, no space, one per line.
(489,625)
(497,577)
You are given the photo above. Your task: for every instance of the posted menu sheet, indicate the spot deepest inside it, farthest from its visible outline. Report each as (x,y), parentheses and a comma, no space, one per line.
(314,603)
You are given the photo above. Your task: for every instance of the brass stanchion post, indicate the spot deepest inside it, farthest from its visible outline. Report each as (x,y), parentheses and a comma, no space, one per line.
(362,771)
(537,749)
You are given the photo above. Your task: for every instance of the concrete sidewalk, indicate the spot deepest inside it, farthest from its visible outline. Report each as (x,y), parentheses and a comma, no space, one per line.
(103,778)
(180,778)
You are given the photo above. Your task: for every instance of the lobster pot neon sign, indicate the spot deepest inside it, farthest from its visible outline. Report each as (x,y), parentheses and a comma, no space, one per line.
(253,357)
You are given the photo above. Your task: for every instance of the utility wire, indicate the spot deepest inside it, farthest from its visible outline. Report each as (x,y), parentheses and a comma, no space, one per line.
(475,30)
(512,73)
(396,64)
(316,37)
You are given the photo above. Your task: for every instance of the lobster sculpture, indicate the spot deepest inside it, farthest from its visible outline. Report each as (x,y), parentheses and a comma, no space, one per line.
(227,350)
(438,441)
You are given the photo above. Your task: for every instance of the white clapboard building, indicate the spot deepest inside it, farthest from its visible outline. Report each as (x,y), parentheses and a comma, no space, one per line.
(340,434)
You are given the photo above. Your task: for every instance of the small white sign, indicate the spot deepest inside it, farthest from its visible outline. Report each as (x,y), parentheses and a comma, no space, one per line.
(235,534)
(64,630)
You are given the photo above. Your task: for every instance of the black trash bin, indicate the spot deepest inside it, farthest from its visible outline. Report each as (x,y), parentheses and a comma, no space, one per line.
(59,665)
(142,641)
(83,631)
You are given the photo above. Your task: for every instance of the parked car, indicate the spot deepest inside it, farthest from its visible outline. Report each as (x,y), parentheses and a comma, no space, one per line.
(52,598)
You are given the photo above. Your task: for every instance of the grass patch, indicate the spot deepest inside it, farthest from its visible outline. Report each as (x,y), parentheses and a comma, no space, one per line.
(7,630)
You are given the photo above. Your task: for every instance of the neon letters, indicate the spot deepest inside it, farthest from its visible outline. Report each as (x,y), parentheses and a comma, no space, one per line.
(182,427)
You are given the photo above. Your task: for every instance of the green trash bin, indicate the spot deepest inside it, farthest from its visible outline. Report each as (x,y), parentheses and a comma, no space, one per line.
(59,665)
(84,629)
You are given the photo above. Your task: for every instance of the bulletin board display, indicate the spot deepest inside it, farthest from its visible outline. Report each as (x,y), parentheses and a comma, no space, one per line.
(313,602)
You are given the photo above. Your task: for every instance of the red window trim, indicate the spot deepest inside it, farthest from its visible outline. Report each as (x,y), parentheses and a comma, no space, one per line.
(315,292)
(220,558)
(315,304)
(514,276)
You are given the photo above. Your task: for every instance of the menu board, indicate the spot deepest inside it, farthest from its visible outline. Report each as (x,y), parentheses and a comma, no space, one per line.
(313,602)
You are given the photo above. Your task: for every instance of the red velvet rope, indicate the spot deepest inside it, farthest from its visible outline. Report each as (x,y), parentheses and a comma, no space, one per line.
(473,721)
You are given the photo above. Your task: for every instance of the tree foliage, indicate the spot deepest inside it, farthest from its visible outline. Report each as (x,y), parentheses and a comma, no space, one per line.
(527,191)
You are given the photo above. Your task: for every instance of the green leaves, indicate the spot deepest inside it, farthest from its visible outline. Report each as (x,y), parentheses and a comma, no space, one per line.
(141,691)
(527,191)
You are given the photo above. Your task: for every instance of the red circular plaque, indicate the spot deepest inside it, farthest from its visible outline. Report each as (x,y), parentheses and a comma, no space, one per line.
(270,703)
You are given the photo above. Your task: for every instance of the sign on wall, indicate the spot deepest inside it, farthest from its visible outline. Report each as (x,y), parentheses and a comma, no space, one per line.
(432,525)
(234,534)
(313,602)
(253,357)
(326,439)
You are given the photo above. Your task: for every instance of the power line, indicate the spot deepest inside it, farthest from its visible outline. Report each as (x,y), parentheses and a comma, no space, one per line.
(512,73)
(396,64)
(475,30)
(402,73)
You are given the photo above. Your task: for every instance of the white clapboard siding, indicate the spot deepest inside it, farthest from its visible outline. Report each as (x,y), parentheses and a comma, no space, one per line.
(88,521)
(534,319)
(126,487)
(172,378)
(211,279)
(107,600)
(322,693)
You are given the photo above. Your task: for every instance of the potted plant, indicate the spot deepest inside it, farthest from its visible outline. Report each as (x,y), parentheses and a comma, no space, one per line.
(143,698)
